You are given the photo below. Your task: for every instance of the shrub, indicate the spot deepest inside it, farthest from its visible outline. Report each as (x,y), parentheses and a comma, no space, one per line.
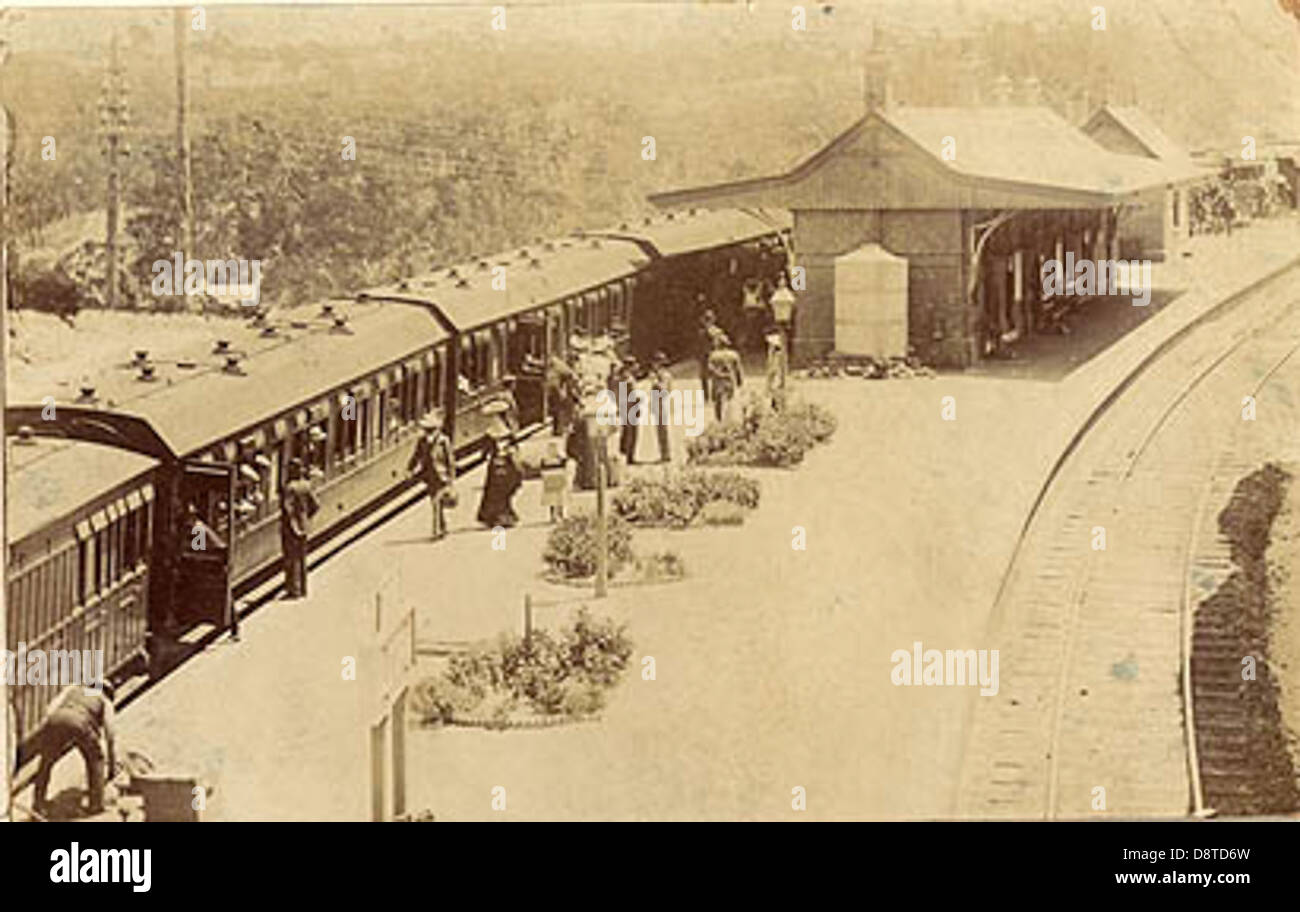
(571,546)
(763,437)
(564,673)
(662,565)
(721,513)
(677,498)
(818,420)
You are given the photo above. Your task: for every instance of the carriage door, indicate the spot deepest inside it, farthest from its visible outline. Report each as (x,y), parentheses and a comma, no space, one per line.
(204,544)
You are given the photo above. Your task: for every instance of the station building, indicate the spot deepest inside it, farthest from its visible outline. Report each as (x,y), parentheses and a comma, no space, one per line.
(1158,225)
(925,229)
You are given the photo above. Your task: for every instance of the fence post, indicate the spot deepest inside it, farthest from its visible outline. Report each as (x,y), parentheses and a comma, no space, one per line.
(602,543)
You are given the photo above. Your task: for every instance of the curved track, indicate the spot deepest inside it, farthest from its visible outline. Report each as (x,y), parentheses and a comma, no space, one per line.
(1095,711)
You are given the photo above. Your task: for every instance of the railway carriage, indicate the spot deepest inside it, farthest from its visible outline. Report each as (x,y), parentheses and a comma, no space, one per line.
(100,550)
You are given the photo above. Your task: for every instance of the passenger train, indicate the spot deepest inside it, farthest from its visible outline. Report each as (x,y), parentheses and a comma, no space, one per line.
(100,485)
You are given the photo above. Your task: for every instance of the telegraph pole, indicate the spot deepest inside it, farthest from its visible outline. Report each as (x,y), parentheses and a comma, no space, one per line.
(6,146)
(184,175)
(113,118)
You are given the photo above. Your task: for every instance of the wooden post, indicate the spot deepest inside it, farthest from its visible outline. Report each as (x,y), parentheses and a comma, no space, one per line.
(602,542)
(6,747)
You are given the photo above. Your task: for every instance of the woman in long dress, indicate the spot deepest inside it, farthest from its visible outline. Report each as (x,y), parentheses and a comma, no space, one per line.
(503,480)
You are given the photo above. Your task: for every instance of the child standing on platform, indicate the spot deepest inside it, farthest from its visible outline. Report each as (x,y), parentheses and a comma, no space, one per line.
(555,481)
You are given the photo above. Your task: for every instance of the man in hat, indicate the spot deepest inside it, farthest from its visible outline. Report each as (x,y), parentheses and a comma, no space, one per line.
(627,434)
(435,463)
(661,385)
(708,334)
(561,378)
(725,374)
(80,718)
(298,504)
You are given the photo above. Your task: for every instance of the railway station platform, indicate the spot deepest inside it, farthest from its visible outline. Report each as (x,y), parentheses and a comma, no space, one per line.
(773,663)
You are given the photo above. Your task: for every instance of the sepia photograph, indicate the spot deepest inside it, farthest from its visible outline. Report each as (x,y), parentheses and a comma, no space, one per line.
(879,411)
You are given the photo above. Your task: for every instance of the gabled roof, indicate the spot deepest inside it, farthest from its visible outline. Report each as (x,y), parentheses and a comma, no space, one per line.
(1027,145)
(1143,131)
(1028,149)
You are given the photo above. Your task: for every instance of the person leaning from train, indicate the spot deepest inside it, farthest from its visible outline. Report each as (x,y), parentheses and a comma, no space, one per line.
(78,718)
(298,504)
(198,535)
(435,464)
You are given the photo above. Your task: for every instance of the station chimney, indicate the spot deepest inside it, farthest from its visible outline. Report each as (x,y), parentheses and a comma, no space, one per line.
(877,92)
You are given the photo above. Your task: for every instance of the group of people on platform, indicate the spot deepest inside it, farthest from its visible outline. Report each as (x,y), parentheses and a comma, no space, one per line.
(585,440)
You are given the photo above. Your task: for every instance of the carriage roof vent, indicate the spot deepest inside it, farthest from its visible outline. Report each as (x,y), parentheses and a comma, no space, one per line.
(87,393)
(648,221)
(326,309)
(232,366)
(269,330)
(341,325)
(623,226)
(462,283)
(452,273)
(26,436)
(534,263)
(670,216)
(523,253)
(595,243)
(694,211)
(141,355)
(403,285)
(147,373)
(549,246)
(221,346)
(483,265)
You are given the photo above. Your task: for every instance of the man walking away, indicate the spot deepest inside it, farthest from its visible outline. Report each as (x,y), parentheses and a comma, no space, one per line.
(298,504)
(434,462)
(79,719)
(725,375)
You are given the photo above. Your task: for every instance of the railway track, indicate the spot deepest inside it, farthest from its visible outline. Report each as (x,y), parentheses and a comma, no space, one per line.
(1104,675)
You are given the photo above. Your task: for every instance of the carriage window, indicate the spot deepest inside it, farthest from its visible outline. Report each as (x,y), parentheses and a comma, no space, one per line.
(130,543)
(100,560)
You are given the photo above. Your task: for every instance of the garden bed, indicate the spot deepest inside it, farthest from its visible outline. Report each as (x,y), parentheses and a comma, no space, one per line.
(677,499)
(763,437)
(529,682)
